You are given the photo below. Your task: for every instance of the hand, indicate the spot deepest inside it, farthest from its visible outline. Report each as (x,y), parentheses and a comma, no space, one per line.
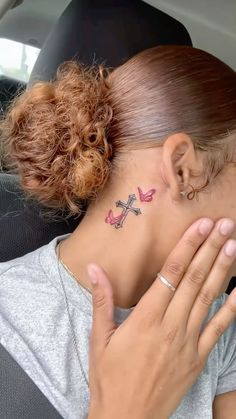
(144,367)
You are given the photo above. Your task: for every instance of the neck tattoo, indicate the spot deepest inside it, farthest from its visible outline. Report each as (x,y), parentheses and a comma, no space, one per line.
(118,221)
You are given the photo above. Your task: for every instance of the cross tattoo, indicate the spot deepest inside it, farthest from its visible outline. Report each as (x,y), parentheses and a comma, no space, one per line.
(127,207)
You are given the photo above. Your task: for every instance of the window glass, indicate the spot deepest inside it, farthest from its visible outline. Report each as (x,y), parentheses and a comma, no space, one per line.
(17,59)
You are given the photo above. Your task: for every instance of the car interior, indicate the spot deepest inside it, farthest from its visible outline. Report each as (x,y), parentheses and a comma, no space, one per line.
(101,31)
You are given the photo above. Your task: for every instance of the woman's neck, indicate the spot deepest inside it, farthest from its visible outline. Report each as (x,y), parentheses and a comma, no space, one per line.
(127,254)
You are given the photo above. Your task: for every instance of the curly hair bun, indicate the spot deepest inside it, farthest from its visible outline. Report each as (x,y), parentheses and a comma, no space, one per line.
(56,137)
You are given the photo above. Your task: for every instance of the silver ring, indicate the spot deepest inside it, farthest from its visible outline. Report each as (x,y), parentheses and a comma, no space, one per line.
(165,282)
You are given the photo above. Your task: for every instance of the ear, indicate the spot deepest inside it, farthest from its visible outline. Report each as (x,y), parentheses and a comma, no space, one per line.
(179,161)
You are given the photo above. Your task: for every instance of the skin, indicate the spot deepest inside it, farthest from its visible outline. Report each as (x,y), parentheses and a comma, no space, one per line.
(162,335)
(129,255)
(132,255)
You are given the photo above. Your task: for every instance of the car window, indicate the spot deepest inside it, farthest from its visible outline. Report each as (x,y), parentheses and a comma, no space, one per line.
(17,59)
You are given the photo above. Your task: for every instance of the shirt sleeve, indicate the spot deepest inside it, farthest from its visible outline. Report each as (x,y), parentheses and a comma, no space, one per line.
(227,375)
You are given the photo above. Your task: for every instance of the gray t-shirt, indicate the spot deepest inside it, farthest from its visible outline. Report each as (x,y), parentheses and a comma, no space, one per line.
(35,329)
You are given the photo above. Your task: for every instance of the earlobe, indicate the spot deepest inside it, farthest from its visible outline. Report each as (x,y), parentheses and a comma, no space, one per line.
(178,160)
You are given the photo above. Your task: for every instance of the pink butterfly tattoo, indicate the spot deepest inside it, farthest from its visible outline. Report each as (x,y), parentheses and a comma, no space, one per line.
(110,219)
(146,197)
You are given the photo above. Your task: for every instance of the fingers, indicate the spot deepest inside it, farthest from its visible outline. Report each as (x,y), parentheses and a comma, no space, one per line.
(217,326)
(103,307)
(158,296)
(196,276)
(212,287)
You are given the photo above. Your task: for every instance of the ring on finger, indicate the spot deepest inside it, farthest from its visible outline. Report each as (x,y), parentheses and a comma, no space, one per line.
(166,282)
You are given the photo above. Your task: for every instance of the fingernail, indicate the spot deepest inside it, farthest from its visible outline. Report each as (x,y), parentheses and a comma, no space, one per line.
(230,248)
(205,226)
(226,227)
(92,274)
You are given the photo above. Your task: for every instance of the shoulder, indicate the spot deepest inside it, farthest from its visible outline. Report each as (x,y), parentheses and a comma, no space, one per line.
(29,279)
(229,336)
(226,351)
(29,296)
(218,303)
(216,306)
(35,264)
(19,265)
(19,273)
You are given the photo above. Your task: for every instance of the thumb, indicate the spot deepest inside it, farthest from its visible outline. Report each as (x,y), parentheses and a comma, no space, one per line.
(103,308)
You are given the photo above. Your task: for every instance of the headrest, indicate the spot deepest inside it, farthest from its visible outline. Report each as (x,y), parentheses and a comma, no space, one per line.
(108,31)
(22,224)
(9,88)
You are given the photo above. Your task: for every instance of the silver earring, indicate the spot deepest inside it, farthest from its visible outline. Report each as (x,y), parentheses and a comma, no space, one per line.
(183,193)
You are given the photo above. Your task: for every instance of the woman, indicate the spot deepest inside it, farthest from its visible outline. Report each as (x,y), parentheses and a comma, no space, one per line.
(150,147)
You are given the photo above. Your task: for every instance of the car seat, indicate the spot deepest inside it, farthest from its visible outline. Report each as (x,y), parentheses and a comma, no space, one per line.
(101,30)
